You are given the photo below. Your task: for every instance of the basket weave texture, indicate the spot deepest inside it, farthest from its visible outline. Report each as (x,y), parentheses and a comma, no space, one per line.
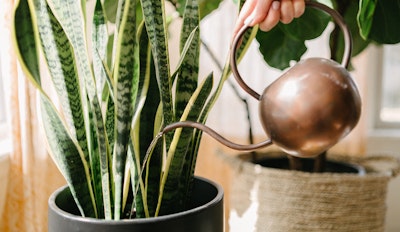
(284,200)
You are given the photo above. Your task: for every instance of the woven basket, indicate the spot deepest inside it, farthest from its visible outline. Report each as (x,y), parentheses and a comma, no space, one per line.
(270,199)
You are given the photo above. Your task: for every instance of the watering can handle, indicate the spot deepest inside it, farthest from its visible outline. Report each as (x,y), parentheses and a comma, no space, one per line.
(335,15)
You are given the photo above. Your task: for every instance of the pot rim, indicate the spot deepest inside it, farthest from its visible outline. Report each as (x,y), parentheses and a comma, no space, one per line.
(219,196)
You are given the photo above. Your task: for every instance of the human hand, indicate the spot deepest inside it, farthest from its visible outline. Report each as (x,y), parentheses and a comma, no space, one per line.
(267,13)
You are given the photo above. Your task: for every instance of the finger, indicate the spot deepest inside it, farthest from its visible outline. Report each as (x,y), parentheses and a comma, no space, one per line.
(245,12)
(299,7)
(260,12)
(287,11)
(253,12)
(272,18)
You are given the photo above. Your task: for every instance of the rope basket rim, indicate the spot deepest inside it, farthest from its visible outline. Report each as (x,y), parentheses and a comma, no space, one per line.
(376,165)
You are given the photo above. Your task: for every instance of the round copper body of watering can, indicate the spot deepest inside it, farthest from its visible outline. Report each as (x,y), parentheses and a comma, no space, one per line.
(310,108)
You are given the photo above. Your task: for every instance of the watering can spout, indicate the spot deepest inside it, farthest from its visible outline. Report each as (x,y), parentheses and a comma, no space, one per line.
(214,135)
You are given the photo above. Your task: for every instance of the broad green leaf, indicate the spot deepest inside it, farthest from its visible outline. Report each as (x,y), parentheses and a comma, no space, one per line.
(385,28)
(336,37)
(285,43)
(365,16)
(309,26)
(278,49)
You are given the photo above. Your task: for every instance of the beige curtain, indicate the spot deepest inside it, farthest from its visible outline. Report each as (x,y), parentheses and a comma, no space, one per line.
(33,176)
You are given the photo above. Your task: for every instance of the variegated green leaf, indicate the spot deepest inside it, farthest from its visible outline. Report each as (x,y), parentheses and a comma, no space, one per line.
(144,60)
(69,158)
(189,69)
(154,17)
(70,14)
(26,41)
(99,43)
(65,151)
(72,21)
(170,199)
(60,60)
(100,170)
(126,77)
(146,197)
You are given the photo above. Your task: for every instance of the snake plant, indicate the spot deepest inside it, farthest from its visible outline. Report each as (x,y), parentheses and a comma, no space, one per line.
(115,90)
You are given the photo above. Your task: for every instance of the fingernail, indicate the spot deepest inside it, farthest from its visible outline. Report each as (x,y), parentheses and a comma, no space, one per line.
(249,20)
(275,5)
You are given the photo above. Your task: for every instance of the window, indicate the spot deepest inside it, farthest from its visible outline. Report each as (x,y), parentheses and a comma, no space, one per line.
(383,98)
(389,105)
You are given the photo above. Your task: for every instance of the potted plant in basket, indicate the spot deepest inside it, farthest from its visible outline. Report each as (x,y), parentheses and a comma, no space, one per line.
(115,93)
(314,195)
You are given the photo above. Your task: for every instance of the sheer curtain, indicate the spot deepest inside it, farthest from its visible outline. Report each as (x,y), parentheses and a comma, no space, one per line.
(33,175)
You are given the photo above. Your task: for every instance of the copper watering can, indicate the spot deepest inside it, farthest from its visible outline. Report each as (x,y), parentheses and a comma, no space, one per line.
(305,111)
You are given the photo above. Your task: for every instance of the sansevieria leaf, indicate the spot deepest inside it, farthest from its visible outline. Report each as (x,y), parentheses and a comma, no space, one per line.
(170,198)
(145,128)
(100,171)
(126,73)
(73,161)
(25,39)
(154,17)
(69,159)
(189,68)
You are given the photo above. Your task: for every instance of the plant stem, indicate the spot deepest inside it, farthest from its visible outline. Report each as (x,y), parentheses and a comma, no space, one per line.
(342,7)
(320,162)
(295,163)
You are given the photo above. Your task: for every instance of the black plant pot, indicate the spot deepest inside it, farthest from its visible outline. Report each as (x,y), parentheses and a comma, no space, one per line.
(205,214)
